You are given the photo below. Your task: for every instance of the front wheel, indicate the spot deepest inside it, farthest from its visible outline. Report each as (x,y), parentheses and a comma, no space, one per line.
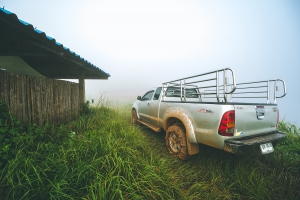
(176,142)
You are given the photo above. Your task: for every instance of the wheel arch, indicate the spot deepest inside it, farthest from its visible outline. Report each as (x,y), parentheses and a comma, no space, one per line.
(175,116)
(171,121)
(136,111)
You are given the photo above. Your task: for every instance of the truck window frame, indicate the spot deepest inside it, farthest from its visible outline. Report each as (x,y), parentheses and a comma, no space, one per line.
(157,93)
(145,97)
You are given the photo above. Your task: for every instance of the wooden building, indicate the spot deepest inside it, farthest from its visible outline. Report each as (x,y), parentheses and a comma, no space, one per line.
(31,64)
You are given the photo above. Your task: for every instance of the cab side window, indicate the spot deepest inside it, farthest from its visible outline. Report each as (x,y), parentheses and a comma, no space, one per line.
(157,93)
(148,95)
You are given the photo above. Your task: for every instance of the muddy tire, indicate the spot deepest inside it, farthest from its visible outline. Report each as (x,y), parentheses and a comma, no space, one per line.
(176,142)
(134,116)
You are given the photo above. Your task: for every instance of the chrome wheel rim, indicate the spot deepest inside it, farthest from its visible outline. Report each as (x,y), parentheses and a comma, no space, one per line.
(174,142)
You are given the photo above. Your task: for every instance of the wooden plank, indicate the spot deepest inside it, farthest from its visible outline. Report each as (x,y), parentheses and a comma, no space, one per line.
(40,100)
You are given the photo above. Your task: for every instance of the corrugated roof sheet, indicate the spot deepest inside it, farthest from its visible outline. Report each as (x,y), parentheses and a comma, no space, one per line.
(10,18)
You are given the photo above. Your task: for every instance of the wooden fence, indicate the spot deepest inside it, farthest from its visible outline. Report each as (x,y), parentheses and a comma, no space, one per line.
(39,100)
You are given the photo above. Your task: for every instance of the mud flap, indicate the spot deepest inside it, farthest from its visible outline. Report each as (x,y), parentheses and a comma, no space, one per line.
(192,148)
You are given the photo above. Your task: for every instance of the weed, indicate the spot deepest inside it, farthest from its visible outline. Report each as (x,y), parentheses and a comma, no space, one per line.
(102,156)
(289,128)
(9,130)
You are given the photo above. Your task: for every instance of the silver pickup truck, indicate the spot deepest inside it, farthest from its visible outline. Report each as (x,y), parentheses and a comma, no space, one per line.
(209,109)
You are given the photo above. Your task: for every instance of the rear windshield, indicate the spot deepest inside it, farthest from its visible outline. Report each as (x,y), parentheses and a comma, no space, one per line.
(175,92)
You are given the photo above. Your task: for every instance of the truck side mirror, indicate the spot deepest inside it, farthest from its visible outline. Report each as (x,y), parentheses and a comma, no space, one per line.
(139,98)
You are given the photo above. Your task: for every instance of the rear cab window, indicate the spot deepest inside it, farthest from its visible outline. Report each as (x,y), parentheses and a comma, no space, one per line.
(175,92)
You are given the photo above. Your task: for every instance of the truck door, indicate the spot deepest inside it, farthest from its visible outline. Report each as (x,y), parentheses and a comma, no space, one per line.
(144,106)
(154,107)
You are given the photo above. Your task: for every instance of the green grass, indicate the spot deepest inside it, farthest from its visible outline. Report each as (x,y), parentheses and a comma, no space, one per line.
(215,174)
(108,158)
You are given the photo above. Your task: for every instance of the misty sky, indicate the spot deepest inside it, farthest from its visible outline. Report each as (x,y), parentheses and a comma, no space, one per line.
(143,43)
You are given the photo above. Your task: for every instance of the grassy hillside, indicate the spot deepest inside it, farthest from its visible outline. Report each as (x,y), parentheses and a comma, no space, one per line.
(102,156)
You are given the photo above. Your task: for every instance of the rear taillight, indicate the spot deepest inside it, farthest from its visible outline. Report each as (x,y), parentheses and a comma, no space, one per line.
(227,124)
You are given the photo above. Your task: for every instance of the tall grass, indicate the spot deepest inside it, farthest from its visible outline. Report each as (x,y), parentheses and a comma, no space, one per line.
(215,174)
(102,156)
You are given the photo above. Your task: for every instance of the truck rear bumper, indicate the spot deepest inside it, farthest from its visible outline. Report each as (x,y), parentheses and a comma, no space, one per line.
(246,144)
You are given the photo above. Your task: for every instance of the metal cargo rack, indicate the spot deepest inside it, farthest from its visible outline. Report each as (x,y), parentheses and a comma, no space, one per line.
(210,87)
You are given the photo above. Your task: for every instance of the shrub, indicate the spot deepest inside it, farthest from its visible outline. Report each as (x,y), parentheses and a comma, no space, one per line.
(9,129)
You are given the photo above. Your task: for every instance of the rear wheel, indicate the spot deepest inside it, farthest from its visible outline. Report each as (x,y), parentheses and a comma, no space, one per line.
(133,116)
(176,142)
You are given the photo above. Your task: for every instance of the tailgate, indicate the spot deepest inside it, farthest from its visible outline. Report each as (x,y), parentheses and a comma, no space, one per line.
(255,119)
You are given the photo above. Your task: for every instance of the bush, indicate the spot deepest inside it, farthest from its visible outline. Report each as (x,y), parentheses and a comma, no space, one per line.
(85,107)
(288,128)
(9,129)
(15,136)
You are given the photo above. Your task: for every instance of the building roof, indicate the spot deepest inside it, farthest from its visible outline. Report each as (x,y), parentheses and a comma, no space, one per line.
(41,52)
